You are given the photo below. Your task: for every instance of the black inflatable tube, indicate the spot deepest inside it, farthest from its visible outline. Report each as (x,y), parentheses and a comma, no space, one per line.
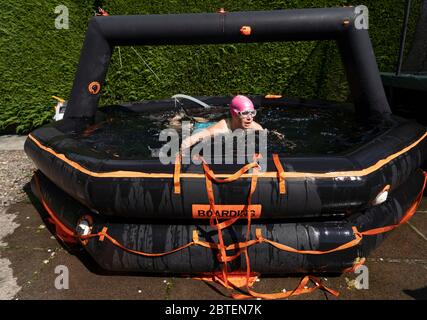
(307,197)
(280,25)
(159,237)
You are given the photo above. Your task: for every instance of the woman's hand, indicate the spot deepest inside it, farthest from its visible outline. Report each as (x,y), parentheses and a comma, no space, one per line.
(187,143)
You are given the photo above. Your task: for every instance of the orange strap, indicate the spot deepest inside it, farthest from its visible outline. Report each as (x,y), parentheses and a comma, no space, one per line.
(212,245)
(233,177)
(236,279)
(209,176)
(177,171)
(103,234)
(356,264)
(280,173)
(213,221)
(301,289)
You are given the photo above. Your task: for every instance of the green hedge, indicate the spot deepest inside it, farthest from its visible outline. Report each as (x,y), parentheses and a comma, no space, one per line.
(38,61)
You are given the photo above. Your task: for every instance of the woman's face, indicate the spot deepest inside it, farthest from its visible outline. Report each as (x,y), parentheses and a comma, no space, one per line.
(245,118)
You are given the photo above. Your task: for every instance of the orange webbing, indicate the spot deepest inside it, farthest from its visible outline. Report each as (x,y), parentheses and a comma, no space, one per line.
(177,171)
(233,177)
(103,234)
(301,289)
(356,264)
(248,283)
(280,173)
(209,176)
(213,221)
(235,279)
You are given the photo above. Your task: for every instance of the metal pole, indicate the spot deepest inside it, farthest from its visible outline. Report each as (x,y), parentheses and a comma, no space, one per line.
(403,37)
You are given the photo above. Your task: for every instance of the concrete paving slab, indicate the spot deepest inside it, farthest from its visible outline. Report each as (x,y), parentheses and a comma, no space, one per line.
(12,142)
(277,285)
(34,262)
(387,281)
(32,233)
(190,289)
(422,208)
(401,243)
(419,224)
(8,282)
(85,285)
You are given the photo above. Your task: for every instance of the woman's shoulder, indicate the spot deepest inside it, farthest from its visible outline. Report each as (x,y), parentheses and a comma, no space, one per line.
(257,126)
(220,126)
(224,123)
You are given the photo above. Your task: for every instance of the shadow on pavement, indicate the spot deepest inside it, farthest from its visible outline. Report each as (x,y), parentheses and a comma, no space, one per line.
(417,294)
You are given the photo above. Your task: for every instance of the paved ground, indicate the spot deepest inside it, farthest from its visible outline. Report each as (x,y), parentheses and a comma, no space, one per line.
(29,255)
(12,142)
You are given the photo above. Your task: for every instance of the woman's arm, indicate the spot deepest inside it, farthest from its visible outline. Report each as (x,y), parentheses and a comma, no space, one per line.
(194,138)
(210,131)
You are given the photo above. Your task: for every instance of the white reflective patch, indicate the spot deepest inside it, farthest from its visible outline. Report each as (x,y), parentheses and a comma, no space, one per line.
(381,198)
(347,178)
(339,178)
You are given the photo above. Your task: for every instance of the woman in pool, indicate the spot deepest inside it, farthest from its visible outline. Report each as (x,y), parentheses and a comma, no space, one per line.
(242,117)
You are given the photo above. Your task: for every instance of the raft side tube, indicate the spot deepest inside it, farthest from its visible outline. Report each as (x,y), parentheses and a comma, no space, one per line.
(157,237)
(147,190)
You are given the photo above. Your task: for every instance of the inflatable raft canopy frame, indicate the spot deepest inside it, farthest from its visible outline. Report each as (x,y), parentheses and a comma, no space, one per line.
(323,218)
(340,24)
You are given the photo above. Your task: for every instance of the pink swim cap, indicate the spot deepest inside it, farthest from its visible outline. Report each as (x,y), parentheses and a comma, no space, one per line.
(240,103)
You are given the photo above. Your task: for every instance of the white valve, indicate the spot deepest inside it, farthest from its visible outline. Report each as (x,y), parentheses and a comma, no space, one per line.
(382,196)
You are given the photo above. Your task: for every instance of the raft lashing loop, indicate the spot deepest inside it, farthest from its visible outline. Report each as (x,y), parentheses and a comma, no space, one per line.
(94,87)
(233,280)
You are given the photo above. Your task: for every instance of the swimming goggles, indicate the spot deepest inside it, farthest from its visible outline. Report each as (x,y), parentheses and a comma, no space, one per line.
(246,113)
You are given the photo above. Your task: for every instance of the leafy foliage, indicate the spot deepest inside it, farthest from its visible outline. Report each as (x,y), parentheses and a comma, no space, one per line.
(38,61)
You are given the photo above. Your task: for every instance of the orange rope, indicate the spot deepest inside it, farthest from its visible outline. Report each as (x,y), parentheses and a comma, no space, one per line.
(222,255)
(177,171)
(301,289)
(280,173)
